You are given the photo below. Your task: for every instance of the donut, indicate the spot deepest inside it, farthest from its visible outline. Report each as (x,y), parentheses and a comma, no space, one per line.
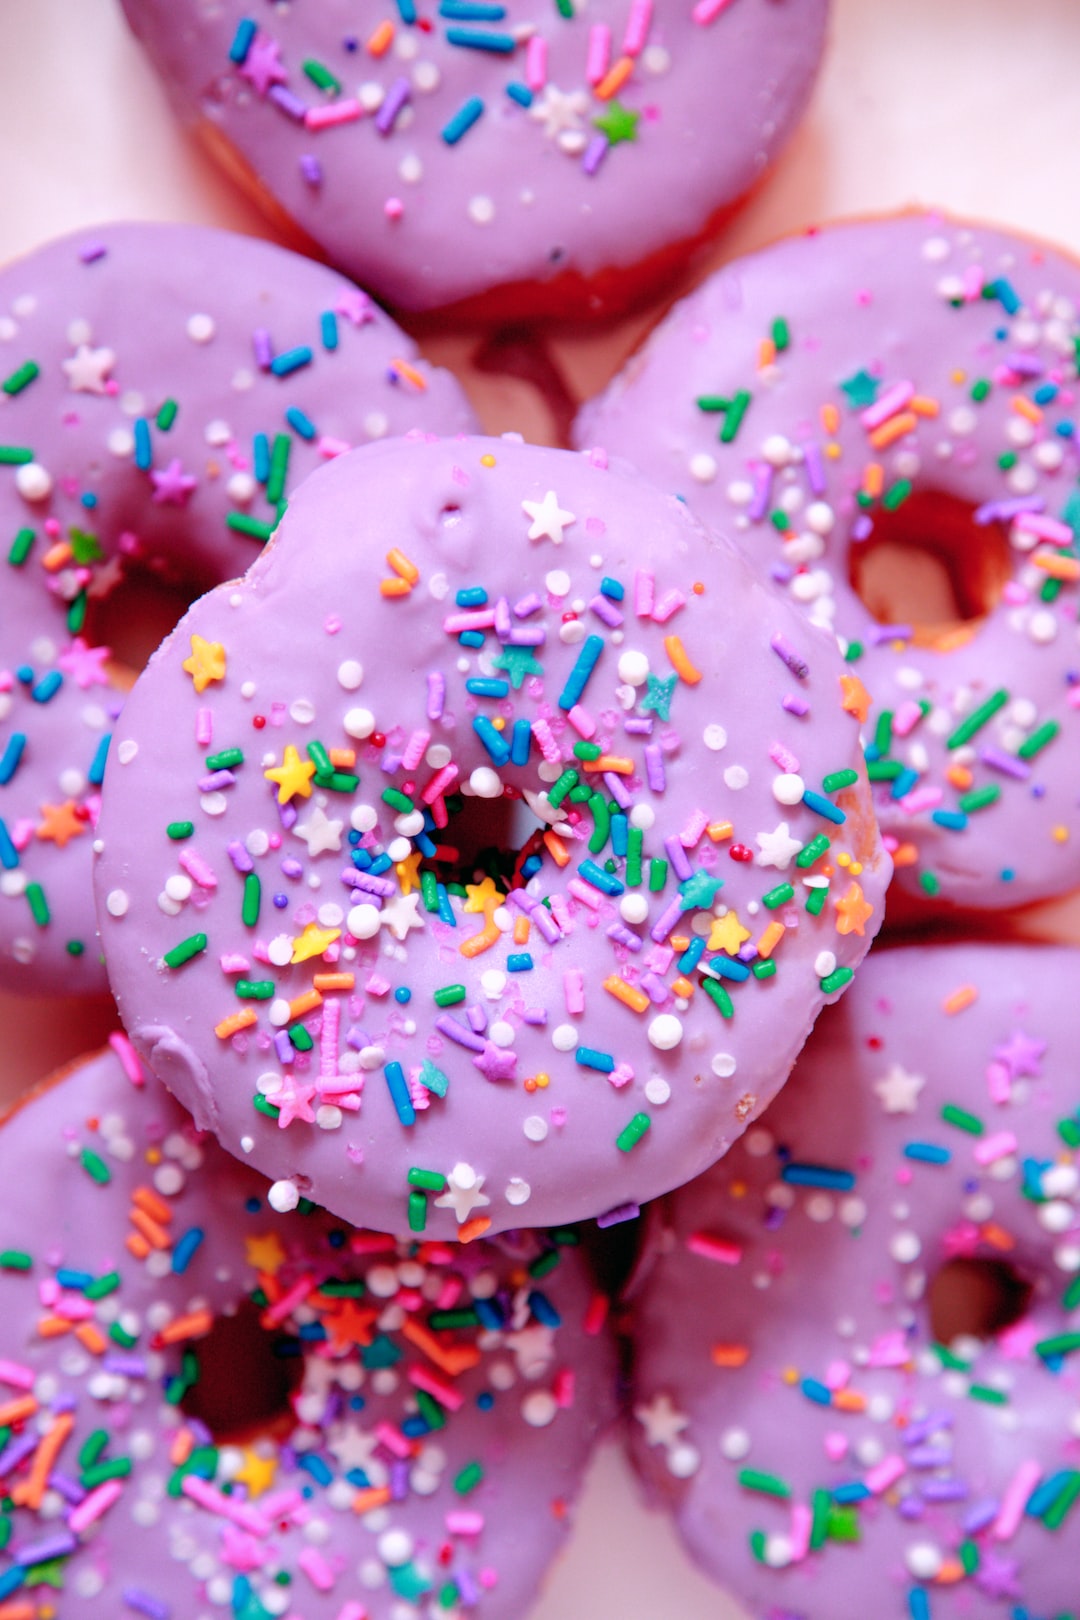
(539,158)
(908,382)
(839,1429)
(525,836)
(163,389)
(210,1407)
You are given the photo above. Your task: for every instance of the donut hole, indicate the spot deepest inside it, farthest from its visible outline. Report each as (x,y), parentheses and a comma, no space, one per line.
(975,1298)
(485,837)
(928,564)
(133,619)
(247,1376)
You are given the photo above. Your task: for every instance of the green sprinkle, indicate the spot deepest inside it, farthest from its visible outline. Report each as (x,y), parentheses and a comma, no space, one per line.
(20,547)
(836,980)
(21,378)
(85,547)
(95,1167)
(263,1106)
(396,799)
(74,947)
(980,390)
(1038,740)
(544,1264)
(321,760)
(1069,1131)
(719,997)
(587,750)
(254,528)
(279,468)
(992,1397)
(119,1335)
(450,995)
(896,494)
(448,1321)
(631,1134)
(339,782)
(225,760)
(1050,590)
(15,455)
(781,334)
(947,1359)
(180,829)
(429,890)
(468,1479)
(884,770)
(1071,1297)
(883,732)
(979,798)
(843,1523)
(15,1260)
(820,1505)
(816,898)
(758,1545)
(427,1180)
(92,1447)
(321,76)
(39,906)
(430,1410)
(561,787)
(962,1119)
(712,402)
(778,896)
(929,884)
(635,838)
(166,416)
(417,1212)
(1062,1344)
(854,652)
(1007,461)
(601,823)
(117,1468)
(764,970)
(1062,1502)
(76,613)
(102,1286)
(969,1556)
(812,852)
(252,901)
(255,989)
(733,416)
(836,780)
(753,1479)
(657,875)
(300,1038)
(187,948)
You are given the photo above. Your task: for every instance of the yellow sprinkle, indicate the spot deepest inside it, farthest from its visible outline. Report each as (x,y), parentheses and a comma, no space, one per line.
(1060,835)
(488,460)
(206,664)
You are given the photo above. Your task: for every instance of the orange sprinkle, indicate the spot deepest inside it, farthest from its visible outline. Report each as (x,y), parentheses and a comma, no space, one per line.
(1026,407)
(146,1199)
(770,939)
(21,1609)
(194,1325)
(960,999)
(343,759)
(730,1355)
(182,1447)
(57,557)
(304,1004)
(1057,566)
(830,418)
(235,1022)
(766,354)
(29,1491)
(453,1359)
(394,587)
(53,1327)
(873,478)
(375,1496)
(636,1000)
(923,405)
(895,428)
(849,1400)
(719,830)
(612,762)
(483,941)
(680,660)
(91,1338)
(398,561)
(381,39)
(18,1410)
(614,79)
(333,981)
(959,777)
(137,1245)
(556,848)
(905,855)
(521,929)
(151,1230)
(682,987)
(474,1228)
(997,1237)
(410,375)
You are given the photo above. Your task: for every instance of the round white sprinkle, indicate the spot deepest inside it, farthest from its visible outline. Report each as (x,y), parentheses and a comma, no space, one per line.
(535,1128)
(824,964)
(683,1460)
(715,738)
(905,1247)
(633,908)
(350,674)
(280,950)
(723,1065)
(283,1196)
(200,328)
(517,1191)
(485,783)
(364,818)
(116,902)
(33,482)
(564,1037)
(703,467)
(735,1444)
(788,789)
(363,921)
(665,1032)
(558,582)
(360,723)
(127,750)
(395,1548)
(657,1090)
(736,776)
(924,1560)
(633,667)
(539,1408)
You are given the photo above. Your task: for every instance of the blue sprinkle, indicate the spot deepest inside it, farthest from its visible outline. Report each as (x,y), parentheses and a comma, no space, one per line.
(1066,429)
(328,330)
(471,596)
(487,686)
(815,1390)
(261,457)
(316,1466)
(299,422)
(489,1314)
(11,1580)
(955,820)
(9,855)
(824,807)
(416,1426)
(606,882)
(918,1604)
(67,1277)
(927,1153)
(96,773)
(530,867)
(184,1250)
(399,1092)
(817,1175)
(245,33)
(407,10)
(692,955)
(591,648)
(48,686)
(590,1059)
(620,834)
(1044,1494)
(855,1491)
(485,1400)
(381,863)
(25,674)
(1045,394)
(520,743)
(283,365)
(519,962)
(479,39)
(613,588)
(471,638)
(88,499)
(1006,294)
(9,759)
(729,967)
(472,10)
(496,744)
(403,995)
(543,1309)
(904,783)
(446,910)
(520,93)
(425,844)
(144,454)
(462,121)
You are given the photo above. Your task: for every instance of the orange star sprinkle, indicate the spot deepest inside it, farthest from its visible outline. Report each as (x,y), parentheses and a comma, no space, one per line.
(852,910)
(856,699)
(60,823)
(206,664)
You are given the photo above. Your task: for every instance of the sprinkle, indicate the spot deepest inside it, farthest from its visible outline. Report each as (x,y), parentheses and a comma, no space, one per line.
(587,657)
(977,719)
(631,1134)
(680,660)
(816,1175)
(463,120)
(399,1093)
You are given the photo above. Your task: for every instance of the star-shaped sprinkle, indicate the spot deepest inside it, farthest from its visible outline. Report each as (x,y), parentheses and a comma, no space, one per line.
(355,306)
(560,112)
(853,910)
(262,66)
(293,775)
(496,1062)
(533,1348)
(60,823)
(899,1090)
(265,1253)
(353,1446)
(482,897)
(172,485)
(777,848)
(407,872)
(661,1420)
(464,1192)
(88,369)
(727,934)
(206,664)
(548,518)
(293,1101)
(618,123)
(658,695)
(854,698)
(350,1324)
(516,663)
(312,942)
(400,914)
(1021,1054)
(860,390)
(257,1473)
(699,890)
(85,664)
(321,835)
(997,1576)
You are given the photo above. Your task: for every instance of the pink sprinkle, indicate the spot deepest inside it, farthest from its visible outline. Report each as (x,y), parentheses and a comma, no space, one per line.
(545,741)
(888,1350)
(329,447)
(973,282)
(1022,1484)
(564,1388)
(377,985)
(835,1446)
(906,718)
(644,592)
(536,62)
(198,869)
(999,1082)
(585,893)
(801,1523)
(446,1394)
(204,727)
(228,1507)
(328,1037)
(463,1523)
(353,1611)
(667,607)
(837,1375)
(596,63)
(482,619)
(637,27)
(990,1148)
(393,1440)
(922,798)
(582,721)
(712,1248)
(129,1058)
(887,1472)
(233,962)
(784,758)
(93,1506)
(440,783)
(337,112)
(892,400)
(393,207)
(283,1307)
(707,11)
(621,1075)
(18,1376)
(316,1568)
(415,749)
(574,991)
(596,1315)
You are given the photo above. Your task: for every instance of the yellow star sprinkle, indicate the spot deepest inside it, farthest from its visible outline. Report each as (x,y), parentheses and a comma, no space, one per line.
(293,775)
(206,664)
(483,897)
(727,934)
(312,942)
(265,1253)
(408,872)
(257,1473)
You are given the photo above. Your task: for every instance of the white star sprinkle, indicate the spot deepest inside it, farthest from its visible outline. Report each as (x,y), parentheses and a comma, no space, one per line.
(320,834)
(661,1420)
(533,1348)
(88,369)
(560,112)
(899,1090)
(463,1192)
(548,518)
(777,848)
(400,914)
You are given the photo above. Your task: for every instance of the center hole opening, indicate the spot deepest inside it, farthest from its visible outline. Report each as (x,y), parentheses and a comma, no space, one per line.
(133,619)
(246,1378)
(928,564)
(976,1299)
(486,838)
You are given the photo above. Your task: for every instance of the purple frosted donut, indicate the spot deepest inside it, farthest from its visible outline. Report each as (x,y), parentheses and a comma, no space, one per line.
(827,1457)
(489,850)
(163,389)
(211,1407)
(909,380)
(537,157)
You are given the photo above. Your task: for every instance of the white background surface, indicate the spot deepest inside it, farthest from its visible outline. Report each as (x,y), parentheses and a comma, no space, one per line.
(970,104)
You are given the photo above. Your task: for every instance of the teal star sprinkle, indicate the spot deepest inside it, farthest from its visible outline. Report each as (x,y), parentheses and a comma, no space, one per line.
(860,390)
(657,699)
(517,662)
(699,890)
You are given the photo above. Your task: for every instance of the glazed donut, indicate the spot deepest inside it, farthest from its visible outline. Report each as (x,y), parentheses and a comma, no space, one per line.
(164,388)
(210,1407)
(910,379)
(377,981)
(826,1455)
(535,158)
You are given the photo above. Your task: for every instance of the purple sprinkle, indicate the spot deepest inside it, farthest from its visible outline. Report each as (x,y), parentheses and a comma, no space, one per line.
(13,1454)
(759,500)
(125,1366)
(536,1015)
(262,348)
(288,815)
(676,854)
(546,925)
(503,623)
(311,169)
(1002,511)
(930,1456)
(916,1433)
(654,767)
(638,726)
(667,919)
(815,468)
(455,1031)
(624,936)
(92,252)
(478,1019)
(890,632)
(980,1515)
(944,1490)
(614,784)
(283,1047)
(528,605)
(216,779)
(1024,365)
(41,1552)
(1008,764)
(239,856)
(370,885)
(143,1603)
(292,868)
(358,1039)
(606,611)
(468,1590)
(656,990)
(436,687)
(395,99)
(911,1507)
(862,528)
(621,1212)
(532,635)
(595,153)
(390,763)
(399,1481)
(290,105)
(787,655)
(68,1488)
(795,704)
